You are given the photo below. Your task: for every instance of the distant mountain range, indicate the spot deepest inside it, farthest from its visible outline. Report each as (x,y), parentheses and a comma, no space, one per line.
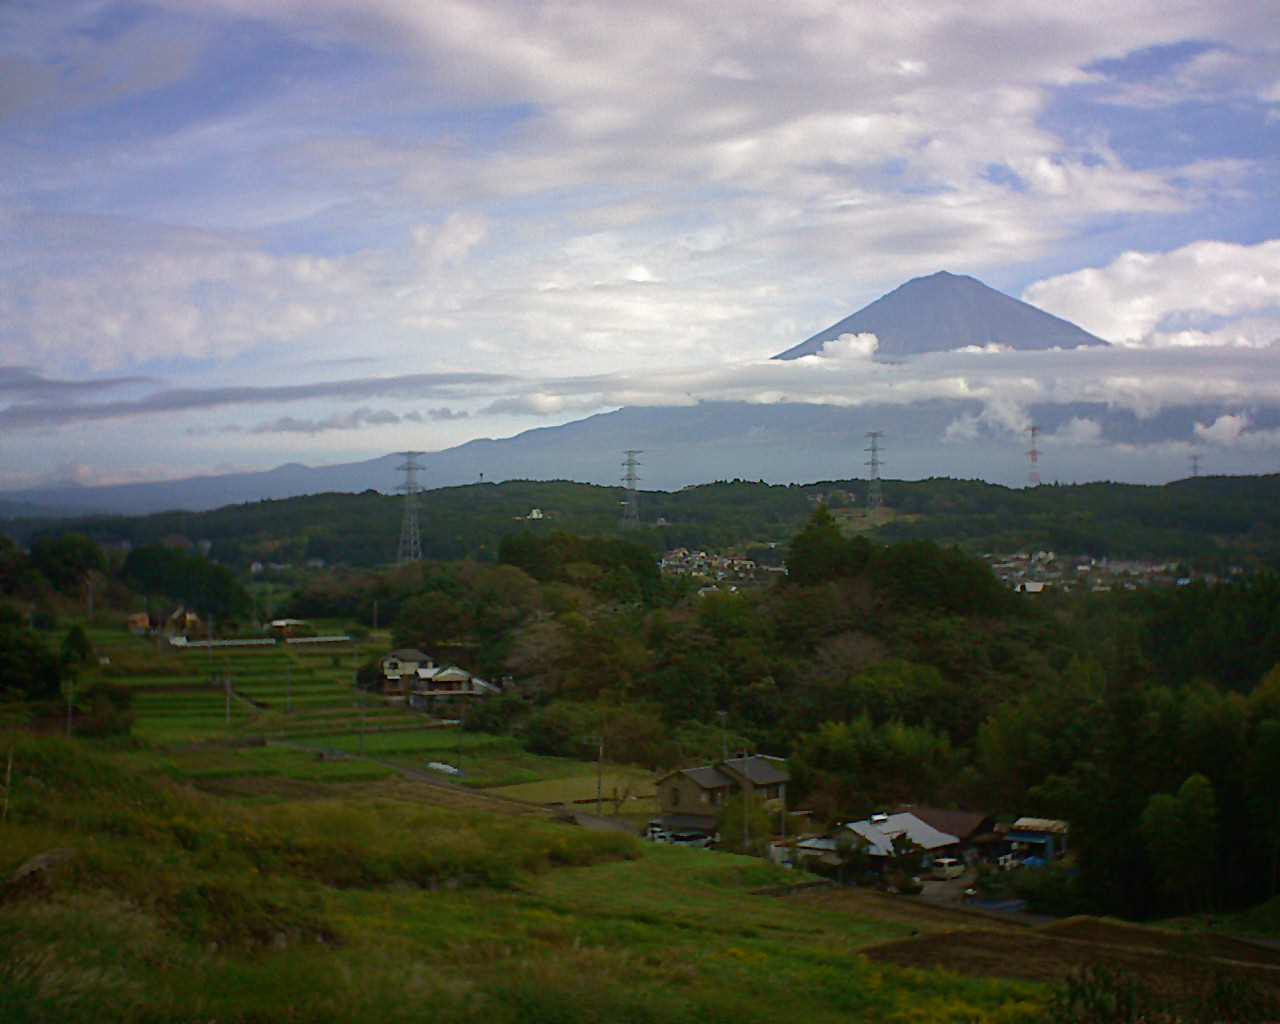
(785,443)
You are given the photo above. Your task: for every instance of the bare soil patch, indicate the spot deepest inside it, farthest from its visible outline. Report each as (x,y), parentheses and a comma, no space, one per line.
(1037,955)
(1194,944)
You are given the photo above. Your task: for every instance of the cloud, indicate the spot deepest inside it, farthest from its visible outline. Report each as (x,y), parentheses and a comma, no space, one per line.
(451,242)
(1235,430)
(19,383)
(174,400)
(689,182)
(354,420)
(442,414)
(1145,299)
(1079,430)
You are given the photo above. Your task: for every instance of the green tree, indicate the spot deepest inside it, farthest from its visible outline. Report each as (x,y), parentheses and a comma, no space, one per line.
(1181,838)
(67,559)
(820,552)
(28,669)
(76,649)
(745,826)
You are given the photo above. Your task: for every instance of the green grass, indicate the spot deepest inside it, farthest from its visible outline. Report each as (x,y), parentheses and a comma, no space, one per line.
(180,906)
(567,789)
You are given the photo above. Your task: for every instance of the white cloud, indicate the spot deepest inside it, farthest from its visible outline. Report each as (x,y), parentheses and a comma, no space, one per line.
(1136,299)
(1079,430)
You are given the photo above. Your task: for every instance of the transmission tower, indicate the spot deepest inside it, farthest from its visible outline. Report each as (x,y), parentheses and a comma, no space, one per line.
(875,500)
(1033,457)
(1195,464)
(410,542)
(631,504)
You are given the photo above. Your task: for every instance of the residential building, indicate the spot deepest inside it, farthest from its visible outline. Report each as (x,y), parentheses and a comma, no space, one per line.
(689,799)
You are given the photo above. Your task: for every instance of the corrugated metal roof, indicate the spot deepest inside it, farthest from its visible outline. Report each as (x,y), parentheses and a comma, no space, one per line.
(1051,825)
(880,834)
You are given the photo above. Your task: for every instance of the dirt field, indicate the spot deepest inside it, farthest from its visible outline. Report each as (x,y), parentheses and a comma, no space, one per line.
(1166,968)
(1194,944)
(877,906)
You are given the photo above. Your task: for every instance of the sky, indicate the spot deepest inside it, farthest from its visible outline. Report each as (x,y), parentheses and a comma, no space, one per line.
(235,234)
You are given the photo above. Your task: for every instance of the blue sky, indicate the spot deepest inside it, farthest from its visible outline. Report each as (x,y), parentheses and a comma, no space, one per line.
(242,233)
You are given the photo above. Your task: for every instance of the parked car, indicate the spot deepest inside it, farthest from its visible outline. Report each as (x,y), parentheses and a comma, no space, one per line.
(697,839)
(947,867)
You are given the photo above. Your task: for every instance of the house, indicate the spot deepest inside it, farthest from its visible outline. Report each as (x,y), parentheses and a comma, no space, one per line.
(973,829)
(286,627)
(689,799)
(182,622)
(1045,838)
(448,690)
(877,836)
(400,668)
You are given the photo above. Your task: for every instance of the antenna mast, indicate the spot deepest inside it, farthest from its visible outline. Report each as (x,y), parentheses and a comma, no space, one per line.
(1195,464)
(1033,457)
(631,504)
(875,500)
(410,549)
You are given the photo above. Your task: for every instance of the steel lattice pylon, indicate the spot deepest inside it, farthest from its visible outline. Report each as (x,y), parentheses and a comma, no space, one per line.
(874,497)
(631,504)
(410,549)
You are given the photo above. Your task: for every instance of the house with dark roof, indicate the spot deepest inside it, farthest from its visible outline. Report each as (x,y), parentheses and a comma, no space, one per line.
(689,799)
(969,827)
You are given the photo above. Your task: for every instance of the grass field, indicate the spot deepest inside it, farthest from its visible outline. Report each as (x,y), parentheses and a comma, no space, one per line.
(304,696)
(379,903)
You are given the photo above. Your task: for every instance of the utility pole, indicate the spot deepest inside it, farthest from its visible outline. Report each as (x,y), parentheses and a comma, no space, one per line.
(289,703)
(71,696)
(600,774)
(226,691)
(8,782)
(724,735)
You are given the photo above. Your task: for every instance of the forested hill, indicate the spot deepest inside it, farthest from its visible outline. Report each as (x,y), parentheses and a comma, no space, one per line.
(1208,519)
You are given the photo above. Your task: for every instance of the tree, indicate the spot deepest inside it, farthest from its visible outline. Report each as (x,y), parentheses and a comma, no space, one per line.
(27,667)
(1181,837)
(66,560)
(820,552)
(745,826)
(76,649)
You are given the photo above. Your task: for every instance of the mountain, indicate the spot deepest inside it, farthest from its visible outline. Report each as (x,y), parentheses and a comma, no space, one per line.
(943,312)
(782,443)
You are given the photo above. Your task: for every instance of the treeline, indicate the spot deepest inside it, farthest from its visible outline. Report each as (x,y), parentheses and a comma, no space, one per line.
(1210,521)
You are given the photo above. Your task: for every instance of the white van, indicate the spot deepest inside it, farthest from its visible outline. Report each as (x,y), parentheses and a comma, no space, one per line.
(947,867)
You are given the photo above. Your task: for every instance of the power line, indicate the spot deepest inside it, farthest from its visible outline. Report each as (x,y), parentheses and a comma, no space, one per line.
(410,549)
